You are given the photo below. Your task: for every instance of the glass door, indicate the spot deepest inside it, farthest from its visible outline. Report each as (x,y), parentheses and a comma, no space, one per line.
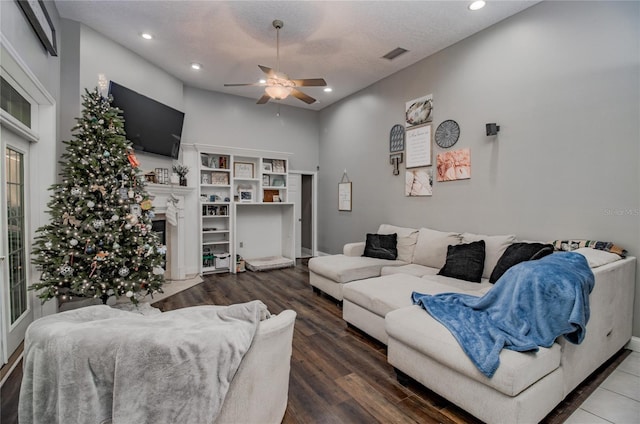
(16,308)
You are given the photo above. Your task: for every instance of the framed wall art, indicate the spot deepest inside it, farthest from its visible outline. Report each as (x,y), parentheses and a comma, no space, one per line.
(344,196)
(243,170)
(38,17)
(418,147)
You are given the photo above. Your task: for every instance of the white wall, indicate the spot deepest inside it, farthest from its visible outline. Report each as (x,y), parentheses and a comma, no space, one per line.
(562,80)
(223,120)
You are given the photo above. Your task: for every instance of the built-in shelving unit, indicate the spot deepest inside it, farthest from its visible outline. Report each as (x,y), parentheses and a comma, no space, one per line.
(243,207)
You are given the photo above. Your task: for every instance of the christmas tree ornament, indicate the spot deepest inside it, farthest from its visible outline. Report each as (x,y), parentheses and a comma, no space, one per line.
(146,205)
(157,270)
(130,193)
(123,272)
(133,160)
(101,256)
(116,245)
(76,191)
(90,204)
(138,198)
(124,194)
(73,242)
(66,271)
(48,245)
(115,218)
(98,223)
(127,226)
(129,293)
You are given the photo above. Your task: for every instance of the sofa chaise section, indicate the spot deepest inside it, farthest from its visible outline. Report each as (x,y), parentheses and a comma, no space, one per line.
(526,386)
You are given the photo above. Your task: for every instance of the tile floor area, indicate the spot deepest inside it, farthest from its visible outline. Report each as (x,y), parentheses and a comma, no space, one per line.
(617,400)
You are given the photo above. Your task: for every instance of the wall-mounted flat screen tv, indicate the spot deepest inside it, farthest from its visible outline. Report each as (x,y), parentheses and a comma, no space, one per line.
(151,126)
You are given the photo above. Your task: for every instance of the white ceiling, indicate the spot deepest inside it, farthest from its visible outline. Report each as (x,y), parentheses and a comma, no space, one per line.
(340,41)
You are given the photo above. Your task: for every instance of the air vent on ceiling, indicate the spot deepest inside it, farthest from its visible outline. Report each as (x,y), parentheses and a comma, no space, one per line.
(395,53)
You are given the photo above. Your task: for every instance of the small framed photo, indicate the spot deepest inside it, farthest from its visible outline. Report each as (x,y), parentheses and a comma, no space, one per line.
(277,182)
(245,195)
(213,162)
(219,178)
(204,159)
(266,180)
(276,199)
(278,166)
(267,167)
(243,170)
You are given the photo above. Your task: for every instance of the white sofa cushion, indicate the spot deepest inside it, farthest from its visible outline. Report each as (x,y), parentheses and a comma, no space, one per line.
(407,238)
(460,286)
(342,269)
(494,247)
(414,327)
(431,247)
(597,258)
(390,292)
(411,269)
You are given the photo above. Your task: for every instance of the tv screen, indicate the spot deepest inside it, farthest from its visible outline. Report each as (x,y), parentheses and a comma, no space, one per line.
(150,126)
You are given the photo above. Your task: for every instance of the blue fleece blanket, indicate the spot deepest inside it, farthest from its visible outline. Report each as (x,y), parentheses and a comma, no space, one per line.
(531,305)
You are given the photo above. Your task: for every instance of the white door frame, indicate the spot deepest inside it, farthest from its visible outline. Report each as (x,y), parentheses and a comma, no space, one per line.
(14,331)
(42,163)
(314,208)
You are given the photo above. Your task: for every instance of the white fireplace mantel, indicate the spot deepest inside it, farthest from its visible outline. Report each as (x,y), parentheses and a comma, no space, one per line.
(175,234)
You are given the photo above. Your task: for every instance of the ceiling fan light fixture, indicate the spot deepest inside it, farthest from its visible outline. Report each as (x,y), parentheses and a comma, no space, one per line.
(278,92)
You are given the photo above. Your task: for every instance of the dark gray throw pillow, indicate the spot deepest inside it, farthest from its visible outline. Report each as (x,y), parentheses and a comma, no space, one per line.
(516,253)
(465,261)
(381,246)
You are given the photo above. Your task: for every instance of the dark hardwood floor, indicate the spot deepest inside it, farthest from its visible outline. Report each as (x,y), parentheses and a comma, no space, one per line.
(338,374)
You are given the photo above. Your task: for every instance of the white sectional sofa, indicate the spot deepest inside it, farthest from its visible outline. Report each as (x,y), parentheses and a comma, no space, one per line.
(376,295)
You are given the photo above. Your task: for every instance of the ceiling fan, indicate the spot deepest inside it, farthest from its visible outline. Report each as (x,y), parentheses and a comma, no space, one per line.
(278,85)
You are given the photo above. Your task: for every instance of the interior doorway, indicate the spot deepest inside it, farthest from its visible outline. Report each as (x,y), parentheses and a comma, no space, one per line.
(302,192)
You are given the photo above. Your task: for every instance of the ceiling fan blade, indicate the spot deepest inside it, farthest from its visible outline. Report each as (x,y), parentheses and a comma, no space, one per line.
(266,70)
(243,85)
(310,82)
(264,99)
(302,96)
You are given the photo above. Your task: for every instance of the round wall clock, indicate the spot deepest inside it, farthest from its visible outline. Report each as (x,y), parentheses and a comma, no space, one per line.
(447,133)
(396,138)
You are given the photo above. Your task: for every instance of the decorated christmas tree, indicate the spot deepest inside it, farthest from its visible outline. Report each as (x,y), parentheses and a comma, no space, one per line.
(99,241)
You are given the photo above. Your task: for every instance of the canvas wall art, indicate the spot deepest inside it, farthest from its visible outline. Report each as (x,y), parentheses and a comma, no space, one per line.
(419,111)
(454,165)
(418,182)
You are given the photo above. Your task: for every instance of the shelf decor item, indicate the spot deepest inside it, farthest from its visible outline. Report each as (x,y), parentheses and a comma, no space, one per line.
(277,182)
(243,170)
(267,167)
(245,195)
(278,166)
(219,178)
(266,180)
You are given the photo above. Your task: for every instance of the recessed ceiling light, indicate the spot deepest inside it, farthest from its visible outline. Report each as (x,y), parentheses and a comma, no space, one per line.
(328,89)
(476,5)
(263,81)
(146,36)
(196,66)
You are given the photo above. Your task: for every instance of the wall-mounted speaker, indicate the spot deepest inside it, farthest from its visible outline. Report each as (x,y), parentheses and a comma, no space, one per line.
(492,129)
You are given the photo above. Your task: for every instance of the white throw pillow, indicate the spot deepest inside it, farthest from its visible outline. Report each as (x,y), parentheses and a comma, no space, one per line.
(407,238)
(431,248)
(494,247)
(597,257)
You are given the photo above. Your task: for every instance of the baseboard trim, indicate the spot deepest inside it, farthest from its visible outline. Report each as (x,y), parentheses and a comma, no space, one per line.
(634,344)
(13,366)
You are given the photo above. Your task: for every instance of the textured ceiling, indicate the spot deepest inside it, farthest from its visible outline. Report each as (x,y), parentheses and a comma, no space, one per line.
(341,42)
